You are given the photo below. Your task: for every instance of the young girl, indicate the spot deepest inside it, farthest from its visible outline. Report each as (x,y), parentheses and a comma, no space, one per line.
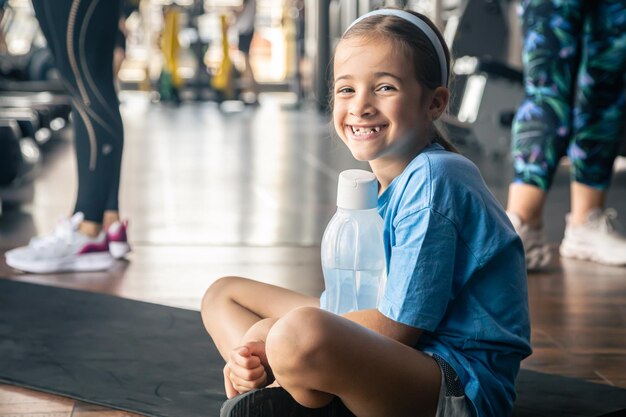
(452,327)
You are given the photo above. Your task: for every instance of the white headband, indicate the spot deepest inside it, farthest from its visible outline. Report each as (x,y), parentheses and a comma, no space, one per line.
(421,25)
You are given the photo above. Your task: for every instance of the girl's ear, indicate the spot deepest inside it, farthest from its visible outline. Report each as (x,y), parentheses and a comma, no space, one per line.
(439,102)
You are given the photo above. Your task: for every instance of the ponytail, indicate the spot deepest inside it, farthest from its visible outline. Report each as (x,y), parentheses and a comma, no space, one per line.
(441,139)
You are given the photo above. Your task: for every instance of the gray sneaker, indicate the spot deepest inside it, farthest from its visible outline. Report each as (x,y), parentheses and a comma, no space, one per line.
(538,254)
(601,239)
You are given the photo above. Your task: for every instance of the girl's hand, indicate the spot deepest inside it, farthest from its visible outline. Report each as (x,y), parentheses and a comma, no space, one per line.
(228,386)
(245,369)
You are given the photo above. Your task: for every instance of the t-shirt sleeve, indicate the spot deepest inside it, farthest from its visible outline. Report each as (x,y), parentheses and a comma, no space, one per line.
(421,268)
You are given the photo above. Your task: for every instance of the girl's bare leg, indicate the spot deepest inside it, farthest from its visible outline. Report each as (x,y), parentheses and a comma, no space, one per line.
(232,305)
(315,355)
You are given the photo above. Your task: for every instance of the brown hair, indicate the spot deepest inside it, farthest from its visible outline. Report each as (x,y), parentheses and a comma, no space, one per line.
(416,45)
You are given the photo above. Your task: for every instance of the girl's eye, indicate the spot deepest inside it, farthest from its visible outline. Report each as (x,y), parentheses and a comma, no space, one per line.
(344,90)
(386,88)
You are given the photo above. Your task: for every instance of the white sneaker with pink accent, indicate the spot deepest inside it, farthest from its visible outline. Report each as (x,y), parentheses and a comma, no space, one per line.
(117,237)
(66,249)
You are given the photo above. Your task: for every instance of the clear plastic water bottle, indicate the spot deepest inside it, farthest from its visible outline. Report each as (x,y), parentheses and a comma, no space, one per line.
(353,254)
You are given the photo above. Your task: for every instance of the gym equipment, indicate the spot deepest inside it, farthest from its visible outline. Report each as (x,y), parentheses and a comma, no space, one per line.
(36,65)
(28,120)
(169,80)
(40,66)
(200,83)
(26,57)
(19,155)
(10,154)
(33,103)
(29,84)
(480,28)
(485,96)
(223,82)
(486,87)
(52,110)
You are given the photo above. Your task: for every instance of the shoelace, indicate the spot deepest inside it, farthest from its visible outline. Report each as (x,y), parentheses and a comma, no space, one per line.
(607,220)
(63,233)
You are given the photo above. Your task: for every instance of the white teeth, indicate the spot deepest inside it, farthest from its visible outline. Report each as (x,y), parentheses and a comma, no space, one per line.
(358,131)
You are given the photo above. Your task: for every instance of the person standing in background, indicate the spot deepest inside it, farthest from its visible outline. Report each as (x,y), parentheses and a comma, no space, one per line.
(574,58)
(81,36)
(244,23)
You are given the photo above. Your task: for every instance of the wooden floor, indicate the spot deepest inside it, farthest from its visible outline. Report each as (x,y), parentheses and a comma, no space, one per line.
(211,193)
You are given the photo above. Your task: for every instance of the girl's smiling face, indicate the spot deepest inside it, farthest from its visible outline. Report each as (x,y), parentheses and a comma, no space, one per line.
(380,110)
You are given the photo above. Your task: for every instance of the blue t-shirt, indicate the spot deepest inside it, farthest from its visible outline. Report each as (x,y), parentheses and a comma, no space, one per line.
(456,269)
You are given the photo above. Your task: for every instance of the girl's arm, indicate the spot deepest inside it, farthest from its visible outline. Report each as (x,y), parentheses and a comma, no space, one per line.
(376,321)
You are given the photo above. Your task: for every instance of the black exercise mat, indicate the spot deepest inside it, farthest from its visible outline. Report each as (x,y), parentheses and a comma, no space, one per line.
(543,395)
(158,361)
(129,355)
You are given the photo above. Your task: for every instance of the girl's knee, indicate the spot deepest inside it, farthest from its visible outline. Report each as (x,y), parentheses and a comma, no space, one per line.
(218,291)
(296,343)
(297,349)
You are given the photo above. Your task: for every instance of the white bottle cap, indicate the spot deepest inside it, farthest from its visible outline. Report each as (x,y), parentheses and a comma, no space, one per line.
(357,190)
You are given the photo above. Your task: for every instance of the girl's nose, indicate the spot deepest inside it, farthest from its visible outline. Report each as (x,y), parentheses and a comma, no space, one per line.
(361,105)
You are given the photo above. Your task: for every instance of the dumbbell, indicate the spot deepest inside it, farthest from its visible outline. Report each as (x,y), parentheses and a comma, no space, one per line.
(51,110)
(40,65)
(19,155)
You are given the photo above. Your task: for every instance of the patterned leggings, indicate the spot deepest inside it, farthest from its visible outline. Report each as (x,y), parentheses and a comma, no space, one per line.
(574,66)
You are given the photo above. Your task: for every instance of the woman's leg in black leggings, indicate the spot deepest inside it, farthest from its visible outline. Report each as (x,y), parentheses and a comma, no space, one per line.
(81,35)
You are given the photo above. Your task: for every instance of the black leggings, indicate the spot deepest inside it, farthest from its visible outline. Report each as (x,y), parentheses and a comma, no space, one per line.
(81,36)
